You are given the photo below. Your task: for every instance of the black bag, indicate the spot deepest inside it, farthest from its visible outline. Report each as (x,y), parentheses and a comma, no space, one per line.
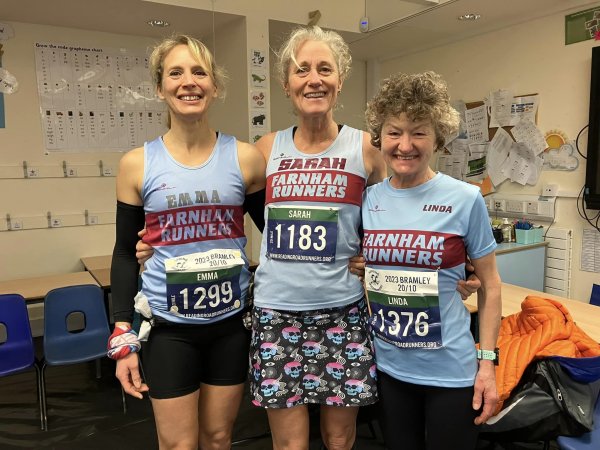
(547,403)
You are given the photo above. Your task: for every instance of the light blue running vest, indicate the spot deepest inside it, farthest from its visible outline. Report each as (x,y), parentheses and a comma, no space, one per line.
(190,210)
(305,252)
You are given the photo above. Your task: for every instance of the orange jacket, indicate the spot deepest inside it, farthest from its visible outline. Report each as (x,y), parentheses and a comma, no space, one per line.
(543,328)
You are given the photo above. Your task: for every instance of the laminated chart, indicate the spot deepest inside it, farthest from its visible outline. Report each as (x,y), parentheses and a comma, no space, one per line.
(96,99)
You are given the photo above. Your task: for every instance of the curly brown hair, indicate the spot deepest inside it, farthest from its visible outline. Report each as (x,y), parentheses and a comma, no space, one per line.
(421,96)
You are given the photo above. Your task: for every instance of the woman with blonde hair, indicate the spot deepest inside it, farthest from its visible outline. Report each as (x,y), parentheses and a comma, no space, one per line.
(188,188)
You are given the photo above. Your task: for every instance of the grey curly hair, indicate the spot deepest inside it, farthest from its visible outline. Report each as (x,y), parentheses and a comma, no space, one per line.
(286,55)
(421,96)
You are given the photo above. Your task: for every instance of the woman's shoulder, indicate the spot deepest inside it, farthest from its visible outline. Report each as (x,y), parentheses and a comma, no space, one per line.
(133,158)
(265,144)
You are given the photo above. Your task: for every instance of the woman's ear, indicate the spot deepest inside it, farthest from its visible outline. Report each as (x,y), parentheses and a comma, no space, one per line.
(159,92)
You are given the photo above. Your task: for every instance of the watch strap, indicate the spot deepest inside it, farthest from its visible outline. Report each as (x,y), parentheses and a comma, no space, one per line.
(488,355)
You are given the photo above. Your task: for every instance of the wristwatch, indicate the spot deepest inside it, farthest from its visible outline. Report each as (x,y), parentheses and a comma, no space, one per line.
(489,355)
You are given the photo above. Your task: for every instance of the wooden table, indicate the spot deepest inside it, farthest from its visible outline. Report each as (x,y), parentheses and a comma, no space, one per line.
(586,316)
(102,276)
(35,289)
(97,262)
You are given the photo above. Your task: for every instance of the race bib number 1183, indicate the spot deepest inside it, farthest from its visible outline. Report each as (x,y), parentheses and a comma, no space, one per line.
(302,233)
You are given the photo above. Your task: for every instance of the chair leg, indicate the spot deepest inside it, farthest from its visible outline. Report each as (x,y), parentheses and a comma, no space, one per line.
(124,400)
(98,368)
(43,404)
(40,391)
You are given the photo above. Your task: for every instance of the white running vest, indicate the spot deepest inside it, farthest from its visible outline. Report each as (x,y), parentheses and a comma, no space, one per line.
(312,219)
(194,219)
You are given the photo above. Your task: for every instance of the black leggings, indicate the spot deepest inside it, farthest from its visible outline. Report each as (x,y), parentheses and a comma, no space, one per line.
(418,417)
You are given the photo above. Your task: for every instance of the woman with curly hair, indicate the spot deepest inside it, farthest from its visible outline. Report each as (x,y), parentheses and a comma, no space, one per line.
(435,387)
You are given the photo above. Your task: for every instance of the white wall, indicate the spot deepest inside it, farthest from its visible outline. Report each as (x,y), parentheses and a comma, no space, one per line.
(40,252)
(47,251)
(527,58)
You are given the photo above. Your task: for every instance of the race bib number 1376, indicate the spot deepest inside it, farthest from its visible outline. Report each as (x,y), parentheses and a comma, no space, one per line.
(405,308)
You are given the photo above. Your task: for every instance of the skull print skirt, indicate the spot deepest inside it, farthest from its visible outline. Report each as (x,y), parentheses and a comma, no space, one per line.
(321,356)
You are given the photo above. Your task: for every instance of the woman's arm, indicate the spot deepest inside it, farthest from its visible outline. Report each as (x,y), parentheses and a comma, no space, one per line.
(124,268)
(130,218)
(374,163)
(489,304)
(253,167)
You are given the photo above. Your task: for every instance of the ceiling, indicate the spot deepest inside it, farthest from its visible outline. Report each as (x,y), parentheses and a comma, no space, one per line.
(403,35)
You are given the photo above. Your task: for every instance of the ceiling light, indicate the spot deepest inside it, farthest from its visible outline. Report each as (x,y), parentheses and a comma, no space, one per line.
(158,23)
(470,16)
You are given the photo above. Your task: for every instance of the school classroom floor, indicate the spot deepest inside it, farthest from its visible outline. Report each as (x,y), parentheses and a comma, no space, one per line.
(85,413)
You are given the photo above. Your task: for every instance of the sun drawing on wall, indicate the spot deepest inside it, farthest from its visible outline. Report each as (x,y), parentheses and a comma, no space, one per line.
(555,139)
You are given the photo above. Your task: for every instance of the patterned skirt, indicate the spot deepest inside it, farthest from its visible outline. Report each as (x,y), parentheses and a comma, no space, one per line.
(321,356)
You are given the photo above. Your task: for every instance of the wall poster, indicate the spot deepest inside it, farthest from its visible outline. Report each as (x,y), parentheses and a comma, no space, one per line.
(96,99)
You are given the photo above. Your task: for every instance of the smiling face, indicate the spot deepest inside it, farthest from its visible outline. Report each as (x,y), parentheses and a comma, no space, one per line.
(186,87)
(407,147)
(313,84)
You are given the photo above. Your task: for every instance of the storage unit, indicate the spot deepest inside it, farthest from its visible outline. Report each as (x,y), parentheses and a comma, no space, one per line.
(522,264)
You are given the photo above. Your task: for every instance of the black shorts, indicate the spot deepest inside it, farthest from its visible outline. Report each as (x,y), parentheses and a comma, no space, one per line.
(177,358)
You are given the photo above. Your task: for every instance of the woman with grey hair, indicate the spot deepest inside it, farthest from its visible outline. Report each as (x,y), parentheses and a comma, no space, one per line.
(435,387)
(310,343)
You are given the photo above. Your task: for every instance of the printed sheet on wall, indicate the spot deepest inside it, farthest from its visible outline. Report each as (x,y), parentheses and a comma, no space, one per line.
(95,99)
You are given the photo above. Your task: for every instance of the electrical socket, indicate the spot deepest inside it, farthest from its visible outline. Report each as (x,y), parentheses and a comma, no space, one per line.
(550,190)
(532,208)
(514,206)
(33,172)
(499,205)
(56,223)
(93,220)
(16,224)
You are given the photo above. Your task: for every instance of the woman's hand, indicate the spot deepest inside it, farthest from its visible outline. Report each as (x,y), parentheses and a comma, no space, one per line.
(357,266)
(469,286)
(485,391)
(128,373)
(143,251)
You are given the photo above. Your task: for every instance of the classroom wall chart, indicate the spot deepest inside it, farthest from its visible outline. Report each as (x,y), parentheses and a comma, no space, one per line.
(96,99)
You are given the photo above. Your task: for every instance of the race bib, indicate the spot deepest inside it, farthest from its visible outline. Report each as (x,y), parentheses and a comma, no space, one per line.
(302,233)
(405,308)
(205,284)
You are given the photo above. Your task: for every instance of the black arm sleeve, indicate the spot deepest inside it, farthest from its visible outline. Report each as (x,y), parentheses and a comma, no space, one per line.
(125,268)
(254,204)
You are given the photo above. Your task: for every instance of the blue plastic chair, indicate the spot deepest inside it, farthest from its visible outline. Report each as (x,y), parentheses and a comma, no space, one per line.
(62,347)
(587,441)
(595,296)
(17,353)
